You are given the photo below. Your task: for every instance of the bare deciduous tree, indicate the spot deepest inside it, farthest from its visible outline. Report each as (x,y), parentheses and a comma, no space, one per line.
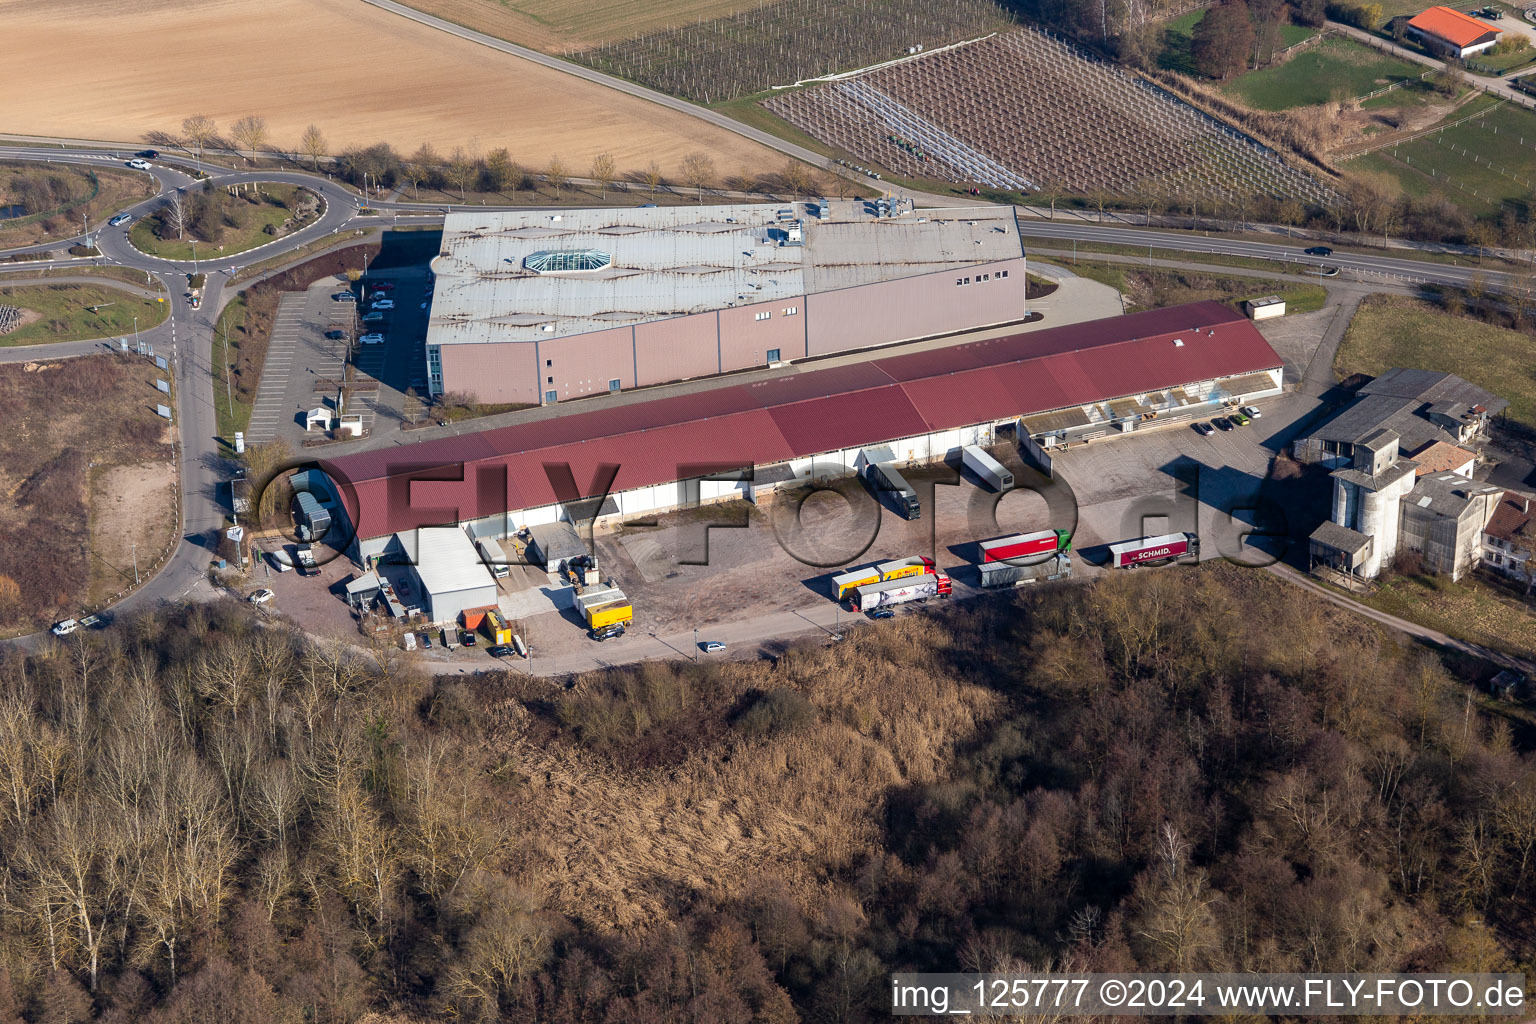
(557,174)
(651,175)
(500,170)
(200,130)
(698,171)
(250,132)
(312,145)
(603,171)
(461,168)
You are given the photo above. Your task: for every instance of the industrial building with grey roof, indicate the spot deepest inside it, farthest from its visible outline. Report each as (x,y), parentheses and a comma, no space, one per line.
(539,307)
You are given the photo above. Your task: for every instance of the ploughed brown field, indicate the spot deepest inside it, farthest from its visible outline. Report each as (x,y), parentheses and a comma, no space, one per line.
(116,69)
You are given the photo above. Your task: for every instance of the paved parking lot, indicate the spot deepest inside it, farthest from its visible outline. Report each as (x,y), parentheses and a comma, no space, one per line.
(304,367)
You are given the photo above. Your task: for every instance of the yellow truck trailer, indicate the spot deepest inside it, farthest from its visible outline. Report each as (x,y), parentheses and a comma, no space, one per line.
(900,568)
(605,607)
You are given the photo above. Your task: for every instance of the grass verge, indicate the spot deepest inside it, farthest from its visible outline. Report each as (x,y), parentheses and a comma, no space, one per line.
(75,312)
(1392,330)
(1472,609)
(1336,68)
(234,224)
(1155,288)
(232,407)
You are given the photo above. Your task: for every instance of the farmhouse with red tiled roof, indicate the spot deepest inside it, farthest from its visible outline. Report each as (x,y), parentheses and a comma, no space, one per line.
(1445,30)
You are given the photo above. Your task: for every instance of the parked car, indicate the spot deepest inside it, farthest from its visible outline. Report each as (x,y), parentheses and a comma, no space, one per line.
(372,318)
(335,335)
(409,640)
(1203,429)
(382,286)
(383,304)
(139,165)
(344,297)
(500,651)
(120,220)
(261,596)
(426,641)
(883,613)
(64,627)
(372,339)
(1221,423)
(1318,250)
(467,637)
(607,632)
(1251,412)
(713,646)
(101,620)
(1239,419)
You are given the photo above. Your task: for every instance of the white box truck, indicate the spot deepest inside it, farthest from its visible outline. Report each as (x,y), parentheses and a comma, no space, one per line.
(495,559)
(985,466)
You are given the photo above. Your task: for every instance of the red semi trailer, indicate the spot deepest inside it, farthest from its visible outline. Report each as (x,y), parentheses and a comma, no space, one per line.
(1169,547)
(1025,545)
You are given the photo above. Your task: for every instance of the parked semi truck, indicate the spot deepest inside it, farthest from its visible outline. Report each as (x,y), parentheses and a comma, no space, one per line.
(1170,547)
(899,591)
(891,487)
(1006,574)
(605,607)
(899,568)
(495,559)
(976,459)
(1025,545)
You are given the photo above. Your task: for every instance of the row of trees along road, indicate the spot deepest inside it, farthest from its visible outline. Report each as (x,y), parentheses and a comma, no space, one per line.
(381,166)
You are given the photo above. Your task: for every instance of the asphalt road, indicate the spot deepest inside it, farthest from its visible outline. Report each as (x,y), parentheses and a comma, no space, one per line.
(188,334)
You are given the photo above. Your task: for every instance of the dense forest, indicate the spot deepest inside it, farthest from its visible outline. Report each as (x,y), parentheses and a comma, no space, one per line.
(207,817)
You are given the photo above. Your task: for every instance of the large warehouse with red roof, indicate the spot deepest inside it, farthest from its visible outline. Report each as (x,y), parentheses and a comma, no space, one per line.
(1057,386)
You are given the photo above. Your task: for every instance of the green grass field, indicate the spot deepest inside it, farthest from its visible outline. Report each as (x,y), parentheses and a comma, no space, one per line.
(255,218)
(1497,167)
(1391,330)
(232,412)
(1157,287)
(64,313)
(1336,68)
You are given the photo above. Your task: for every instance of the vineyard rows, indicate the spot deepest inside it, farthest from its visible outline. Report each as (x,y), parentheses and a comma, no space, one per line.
(787,41)
(1025,110)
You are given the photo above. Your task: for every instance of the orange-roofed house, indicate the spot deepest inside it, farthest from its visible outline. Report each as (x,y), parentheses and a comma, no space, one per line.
(1444,457)
(1448,31)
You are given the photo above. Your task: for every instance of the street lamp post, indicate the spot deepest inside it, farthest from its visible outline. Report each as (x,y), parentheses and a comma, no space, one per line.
(135,332)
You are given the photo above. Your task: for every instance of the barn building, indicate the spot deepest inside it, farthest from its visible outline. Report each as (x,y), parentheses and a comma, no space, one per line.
(1060,386)
(1446,31)
(539,307)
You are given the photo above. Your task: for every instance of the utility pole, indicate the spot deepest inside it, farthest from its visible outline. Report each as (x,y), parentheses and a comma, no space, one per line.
(135,563)
(135,332)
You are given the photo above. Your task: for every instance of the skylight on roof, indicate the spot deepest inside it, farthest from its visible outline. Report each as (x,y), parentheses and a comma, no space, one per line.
(556,261)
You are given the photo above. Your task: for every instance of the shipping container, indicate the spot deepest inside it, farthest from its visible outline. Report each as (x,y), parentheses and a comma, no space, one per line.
(496,628)
(899,591)
(1025,545)
(1007,574)
(604,607)
(1128,554)
(976,459)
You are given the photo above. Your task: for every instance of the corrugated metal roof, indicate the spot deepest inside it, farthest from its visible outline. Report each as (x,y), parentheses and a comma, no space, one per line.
(673,261)
(799,415)
(447,561)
